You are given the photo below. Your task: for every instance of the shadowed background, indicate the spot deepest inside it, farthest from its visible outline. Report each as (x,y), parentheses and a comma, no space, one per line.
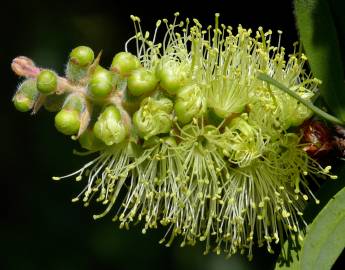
(41,228)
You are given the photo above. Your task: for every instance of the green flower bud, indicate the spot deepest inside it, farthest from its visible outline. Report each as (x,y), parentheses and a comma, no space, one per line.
(67,121)
(82,56)
(100,84)
(26,95)
(109,127)
(292,113)
(141,81)
(89,141)
(190,103)
(172,75)
(47,82)
(124,63)
(242,127)
(22,103)
(244,142)
(153,117)
(302,113)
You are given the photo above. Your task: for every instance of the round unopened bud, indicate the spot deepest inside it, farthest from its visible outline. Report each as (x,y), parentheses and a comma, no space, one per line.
(67,121)
(100,84)
(163,104)
(292,113)
(141,81)
(302,113)
(172,75)
(245,142)
(22,103)
(46,82)
(82,56)
(241,127)
(109,127)
(89,141)
(154,117)
(26,95)
(124,63)
(190,103)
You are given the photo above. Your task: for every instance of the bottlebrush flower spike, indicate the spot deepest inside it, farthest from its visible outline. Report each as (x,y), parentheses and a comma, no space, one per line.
(189,134)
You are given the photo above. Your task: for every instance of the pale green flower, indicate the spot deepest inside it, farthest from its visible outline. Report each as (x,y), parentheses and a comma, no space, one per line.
(207,150)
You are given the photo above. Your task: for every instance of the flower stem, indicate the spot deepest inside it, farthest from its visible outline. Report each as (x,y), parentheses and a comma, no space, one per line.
(309,105)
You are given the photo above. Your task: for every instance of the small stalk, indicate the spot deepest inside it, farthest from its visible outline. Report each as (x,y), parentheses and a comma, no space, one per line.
(306,103)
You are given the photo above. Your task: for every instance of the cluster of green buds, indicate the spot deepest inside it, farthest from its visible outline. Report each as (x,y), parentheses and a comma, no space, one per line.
(188,133)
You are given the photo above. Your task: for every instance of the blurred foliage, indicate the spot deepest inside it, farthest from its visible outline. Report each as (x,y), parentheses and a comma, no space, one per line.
(41,228)
(319,37)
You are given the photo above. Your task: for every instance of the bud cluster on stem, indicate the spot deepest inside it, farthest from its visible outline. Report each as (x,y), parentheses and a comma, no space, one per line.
(185,127)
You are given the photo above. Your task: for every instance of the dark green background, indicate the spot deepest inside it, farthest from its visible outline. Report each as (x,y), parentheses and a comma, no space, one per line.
(40,227)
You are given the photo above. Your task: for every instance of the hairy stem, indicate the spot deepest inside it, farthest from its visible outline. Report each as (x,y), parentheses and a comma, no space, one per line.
(25,67)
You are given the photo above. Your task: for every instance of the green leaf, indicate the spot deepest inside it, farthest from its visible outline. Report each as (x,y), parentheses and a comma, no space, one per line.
(319,39)
(337,8)
(289,257)
(325,238)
